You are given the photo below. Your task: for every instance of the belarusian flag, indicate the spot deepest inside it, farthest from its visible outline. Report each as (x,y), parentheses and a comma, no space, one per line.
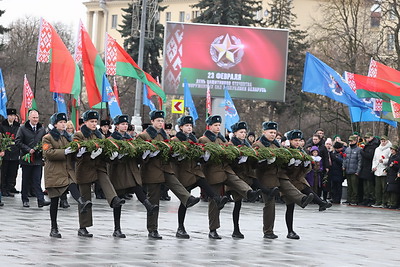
(93,69)
(28,100)
(119,62)
(64,72)
(369,87)
(208,102)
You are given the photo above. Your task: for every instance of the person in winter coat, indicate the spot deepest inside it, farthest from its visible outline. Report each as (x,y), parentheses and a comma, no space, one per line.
(10,163)
(91,167)
(28,140)
(336,172)
(190,174)
(125,175)
(59,173)
(314,177)
(393,178)
(379,164)
(366,175)
(352,168)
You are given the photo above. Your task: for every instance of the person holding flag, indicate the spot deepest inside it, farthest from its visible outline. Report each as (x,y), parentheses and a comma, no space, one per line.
(190,174)
(91,167)
(218,175)
(59,173)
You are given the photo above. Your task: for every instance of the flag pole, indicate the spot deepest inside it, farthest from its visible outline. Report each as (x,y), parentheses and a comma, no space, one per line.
(34,87)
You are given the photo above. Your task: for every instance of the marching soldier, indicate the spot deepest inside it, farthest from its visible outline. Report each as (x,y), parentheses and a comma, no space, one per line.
(218,175)
(125,175)
(189,173)
(90,167)
(59,173)
(155,172)
(270,176)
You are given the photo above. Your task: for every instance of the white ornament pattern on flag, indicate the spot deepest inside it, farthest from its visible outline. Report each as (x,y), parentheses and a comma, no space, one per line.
(111,56)
(173,62)
(78,45)
(373,69)
(28,94)
(44,43)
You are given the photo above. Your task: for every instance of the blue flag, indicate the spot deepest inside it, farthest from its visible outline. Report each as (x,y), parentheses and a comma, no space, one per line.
(147,101)
(366,114)
(109,97)
(61,106)
(321,79)
(188,102)
(3,97)
(231,115)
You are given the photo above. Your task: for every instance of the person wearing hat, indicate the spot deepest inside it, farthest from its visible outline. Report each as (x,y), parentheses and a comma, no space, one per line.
(91,167)
(335,175)
(59,173)
(10,162)
(314,178)
(296,172)
(379,165)
(243,167)
(393,178)
(28,138)
(190,174)
(270,176)
(251,137)
(155,172)
(125,175)
(366,175)
(218,175)
(352,168)
(105,128)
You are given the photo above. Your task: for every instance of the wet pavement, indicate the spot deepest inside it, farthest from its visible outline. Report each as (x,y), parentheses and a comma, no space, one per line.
(341,236)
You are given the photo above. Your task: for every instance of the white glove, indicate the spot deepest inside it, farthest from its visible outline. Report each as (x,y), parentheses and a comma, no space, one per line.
(153,154)
(306,163)
(242,159)
(81,151)
(120,156)
(270,161)
(261,161)
(181,158)
(145,154)
(114,155)
(297,162)
(291,162)
(96,153)
(68,150)
(175,155)
(206,156)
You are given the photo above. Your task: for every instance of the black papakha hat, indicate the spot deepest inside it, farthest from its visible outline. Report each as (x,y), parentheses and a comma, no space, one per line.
(185,120)
(90,115)
(239,126)
(213,119)
(154,114)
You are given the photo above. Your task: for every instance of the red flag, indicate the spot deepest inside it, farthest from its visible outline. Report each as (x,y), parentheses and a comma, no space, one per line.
(28,100)
(93,69)
(116,92)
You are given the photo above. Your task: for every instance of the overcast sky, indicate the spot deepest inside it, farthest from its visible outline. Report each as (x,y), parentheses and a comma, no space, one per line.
(66,11)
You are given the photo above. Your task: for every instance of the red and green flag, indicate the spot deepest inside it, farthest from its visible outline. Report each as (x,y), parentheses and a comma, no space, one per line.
(93,69)
(119,62)
(28,100)
(64,72)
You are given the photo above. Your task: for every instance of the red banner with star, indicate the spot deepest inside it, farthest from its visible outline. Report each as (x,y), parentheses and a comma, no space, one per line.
(250,62)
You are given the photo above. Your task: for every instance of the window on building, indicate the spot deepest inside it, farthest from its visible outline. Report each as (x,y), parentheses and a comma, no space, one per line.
(376,13)
(181,16)
(114,21)
(168,16)
(390,42)
(392,12)
(195,14)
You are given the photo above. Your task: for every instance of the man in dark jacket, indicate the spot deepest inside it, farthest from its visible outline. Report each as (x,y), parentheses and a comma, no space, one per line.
(28,140)
(336,172)
(9,168)
(366,175)
(352,167)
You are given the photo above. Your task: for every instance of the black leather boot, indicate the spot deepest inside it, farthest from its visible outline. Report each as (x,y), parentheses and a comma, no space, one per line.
(116,202)
(237,234)
(181,233)
(84,205)
(271,192)
(84,232)
(150,207)
(118,233)
(192,201)
(54,232)
(253,194)
(221,201)
(64,204)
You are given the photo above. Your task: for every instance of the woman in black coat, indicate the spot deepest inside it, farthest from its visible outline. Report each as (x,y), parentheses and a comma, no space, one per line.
(393,179)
